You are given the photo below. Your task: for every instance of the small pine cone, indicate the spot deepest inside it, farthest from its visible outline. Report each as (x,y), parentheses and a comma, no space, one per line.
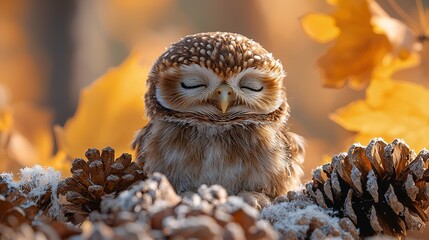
(33,192)
(383,188)
(297,216)
(100,176)
(40,204)
(11,194)
(13,211)
(156,190)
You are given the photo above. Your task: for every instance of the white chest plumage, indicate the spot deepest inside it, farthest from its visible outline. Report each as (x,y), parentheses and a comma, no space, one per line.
(234,156)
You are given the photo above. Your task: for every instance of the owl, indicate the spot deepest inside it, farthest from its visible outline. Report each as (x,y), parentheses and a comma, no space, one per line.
(218,115)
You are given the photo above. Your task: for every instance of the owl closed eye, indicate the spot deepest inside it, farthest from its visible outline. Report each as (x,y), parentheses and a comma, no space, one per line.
(197,89)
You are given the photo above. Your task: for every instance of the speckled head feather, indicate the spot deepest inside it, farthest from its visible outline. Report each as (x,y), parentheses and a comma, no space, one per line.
(224,53)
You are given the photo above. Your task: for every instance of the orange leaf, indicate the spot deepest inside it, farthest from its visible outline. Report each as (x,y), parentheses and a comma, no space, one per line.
(366,37)
(320,27)
(31,141)
(392,109)
(25,136)
(109,112)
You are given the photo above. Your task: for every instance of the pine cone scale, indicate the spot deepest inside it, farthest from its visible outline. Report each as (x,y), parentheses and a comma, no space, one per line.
(79,164)
(108,155)
(92,154)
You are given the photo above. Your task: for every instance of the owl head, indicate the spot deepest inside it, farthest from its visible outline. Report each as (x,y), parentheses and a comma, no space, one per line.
(216,78)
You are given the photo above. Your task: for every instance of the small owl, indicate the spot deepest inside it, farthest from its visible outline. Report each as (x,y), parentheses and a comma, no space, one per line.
(218,115)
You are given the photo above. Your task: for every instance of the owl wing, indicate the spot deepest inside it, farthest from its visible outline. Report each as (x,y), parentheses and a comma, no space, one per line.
(295,145)
(140,141)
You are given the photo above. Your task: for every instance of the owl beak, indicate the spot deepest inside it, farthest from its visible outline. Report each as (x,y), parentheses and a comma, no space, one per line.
(223,96)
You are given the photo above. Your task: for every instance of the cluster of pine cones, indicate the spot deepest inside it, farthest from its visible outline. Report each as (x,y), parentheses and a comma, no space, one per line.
(378,189)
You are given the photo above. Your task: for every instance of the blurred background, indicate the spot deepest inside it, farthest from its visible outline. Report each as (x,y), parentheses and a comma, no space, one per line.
(50,50)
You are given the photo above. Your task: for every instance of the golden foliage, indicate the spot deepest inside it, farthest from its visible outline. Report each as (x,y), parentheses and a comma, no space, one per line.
(320,27)
(109,112)
(391,109)
(31,140)
(25,136)
(364,35)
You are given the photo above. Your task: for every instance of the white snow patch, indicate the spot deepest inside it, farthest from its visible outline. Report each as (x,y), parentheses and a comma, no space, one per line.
(295,216)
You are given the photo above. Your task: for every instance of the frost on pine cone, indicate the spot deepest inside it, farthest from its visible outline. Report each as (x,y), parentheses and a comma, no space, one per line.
(383,188)
(30,198)
(162,214)
(11,214)
(296,216)
(101,175)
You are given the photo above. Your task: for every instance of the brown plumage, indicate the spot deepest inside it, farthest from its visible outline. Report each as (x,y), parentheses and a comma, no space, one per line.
(218,115)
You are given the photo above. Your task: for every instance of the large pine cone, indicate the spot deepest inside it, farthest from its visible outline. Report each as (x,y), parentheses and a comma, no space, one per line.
(382,188)
(101,175)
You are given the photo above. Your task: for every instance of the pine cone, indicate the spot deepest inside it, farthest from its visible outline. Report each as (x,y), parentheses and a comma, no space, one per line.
(101,175)
(382,188)
(134,204)
(11,194)
(12,211)
(297,216)
(37,185)
(141,197)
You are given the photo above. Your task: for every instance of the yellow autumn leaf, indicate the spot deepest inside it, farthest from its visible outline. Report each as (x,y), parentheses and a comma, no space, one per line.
(109,112)
(25,134)
(321,27)
(358,48)
(392,109)
(402,38)
(5,120)
(31,140)
(366,36)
